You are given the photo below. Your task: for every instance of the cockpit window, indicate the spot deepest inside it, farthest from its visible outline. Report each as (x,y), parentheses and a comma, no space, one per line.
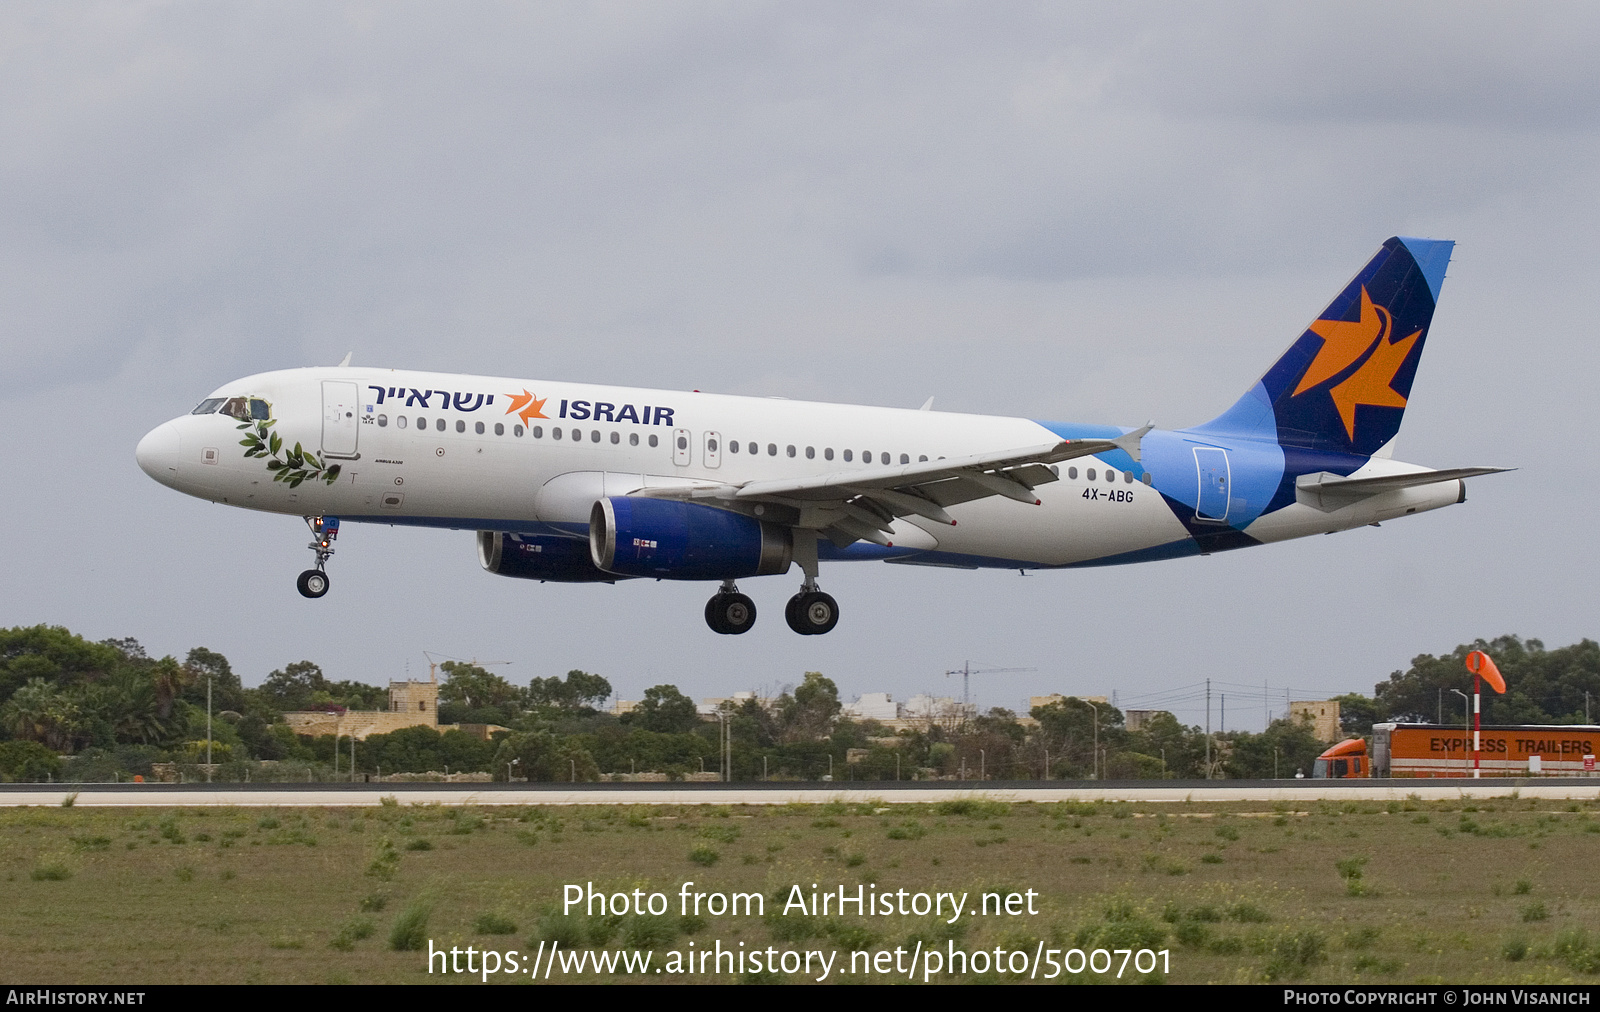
(246,409)
(208,406)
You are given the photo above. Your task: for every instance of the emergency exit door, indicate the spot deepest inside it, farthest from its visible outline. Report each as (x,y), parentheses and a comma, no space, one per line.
(1212,503)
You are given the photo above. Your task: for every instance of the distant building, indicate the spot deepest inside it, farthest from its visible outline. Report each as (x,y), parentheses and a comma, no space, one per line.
(1056,697)
(411,704)
(1135,720)
(877,706)
(1321,714)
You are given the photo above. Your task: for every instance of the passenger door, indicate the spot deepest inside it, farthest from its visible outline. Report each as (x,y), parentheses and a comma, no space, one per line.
(340,419)
(1212,503)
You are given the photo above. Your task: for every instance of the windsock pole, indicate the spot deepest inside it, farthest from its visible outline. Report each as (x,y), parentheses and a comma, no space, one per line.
(1481,667)
(1477,717)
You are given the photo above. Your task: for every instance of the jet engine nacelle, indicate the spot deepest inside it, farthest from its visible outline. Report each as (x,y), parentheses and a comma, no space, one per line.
(673,540)
(539,557)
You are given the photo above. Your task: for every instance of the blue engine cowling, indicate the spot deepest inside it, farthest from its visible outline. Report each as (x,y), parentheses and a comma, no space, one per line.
(539,557)
(673,540)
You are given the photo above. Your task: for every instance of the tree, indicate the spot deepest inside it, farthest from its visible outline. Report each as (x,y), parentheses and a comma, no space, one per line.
(292,686)
(27,762)
(666,710)
(40,712)
(1357,713)
(202,665)
(53,654)
(580,690)
(540,755)
(1287,744)
(808,715)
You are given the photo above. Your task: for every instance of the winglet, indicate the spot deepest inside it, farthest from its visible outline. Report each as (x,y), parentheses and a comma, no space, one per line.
(347,357)
(927,405)
(1130,441)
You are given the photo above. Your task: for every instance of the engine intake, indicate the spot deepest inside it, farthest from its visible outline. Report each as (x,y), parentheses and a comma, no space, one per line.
(539,557)
(673,540)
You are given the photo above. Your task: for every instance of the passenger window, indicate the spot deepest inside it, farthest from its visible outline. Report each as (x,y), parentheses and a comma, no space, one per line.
(422,423)
(1111,477)
(555,433)
(400,421)
(461,426)
(594,436)
(772,449)
(616,437)
(753,449)
(847,455)
(733,447)
(1145,477)
(383,421)
(827,454)
(516,430)
(1089,474)
(866,456)
(790,450)
(1072,473)
(811,453)
(905,458)
(633,439)
(438,423)
(654,441)
(259,411)
(478,428)
(499,428)
(922,459)
(577,435)
(711,446)
(1127,477)
(683,442)
(538,431)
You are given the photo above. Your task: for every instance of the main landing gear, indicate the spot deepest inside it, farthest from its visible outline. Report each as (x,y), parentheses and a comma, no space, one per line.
(730,612)
(313,583)
(811,612)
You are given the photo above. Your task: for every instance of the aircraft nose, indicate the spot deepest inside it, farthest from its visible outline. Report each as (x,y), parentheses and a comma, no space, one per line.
(158,453)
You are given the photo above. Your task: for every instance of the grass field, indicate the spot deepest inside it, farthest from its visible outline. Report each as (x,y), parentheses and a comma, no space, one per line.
(1455,892)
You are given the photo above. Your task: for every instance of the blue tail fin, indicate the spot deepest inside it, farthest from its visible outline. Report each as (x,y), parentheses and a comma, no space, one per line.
(1343,385)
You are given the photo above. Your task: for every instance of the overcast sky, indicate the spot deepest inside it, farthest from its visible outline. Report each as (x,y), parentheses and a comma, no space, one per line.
(1084,212)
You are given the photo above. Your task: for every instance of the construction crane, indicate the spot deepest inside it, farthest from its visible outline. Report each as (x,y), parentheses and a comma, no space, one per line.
(966,671)
(433,664)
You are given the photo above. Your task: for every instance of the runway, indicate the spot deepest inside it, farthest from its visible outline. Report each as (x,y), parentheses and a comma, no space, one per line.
(888,793)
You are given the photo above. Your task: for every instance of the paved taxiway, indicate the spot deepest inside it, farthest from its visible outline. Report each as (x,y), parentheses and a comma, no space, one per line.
(335,795)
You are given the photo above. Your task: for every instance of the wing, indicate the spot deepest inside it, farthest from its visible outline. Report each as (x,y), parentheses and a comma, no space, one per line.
(862,505)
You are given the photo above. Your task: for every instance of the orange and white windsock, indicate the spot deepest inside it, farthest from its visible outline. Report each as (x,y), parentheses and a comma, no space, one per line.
(1482,665)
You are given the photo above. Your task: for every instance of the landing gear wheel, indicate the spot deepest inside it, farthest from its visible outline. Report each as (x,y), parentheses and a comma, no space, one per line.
(812,613)
(312,583)
(730,614)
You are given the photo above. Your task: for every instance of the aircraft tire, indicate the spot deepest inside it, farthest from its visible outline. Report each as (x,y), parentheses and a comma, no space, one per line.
(714,615)
(812,614)
(736,612)
(313,583)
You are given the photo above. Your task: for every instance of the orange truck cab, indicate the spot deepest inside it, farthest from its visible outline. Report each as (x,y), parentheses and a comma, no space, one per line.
(1343,761)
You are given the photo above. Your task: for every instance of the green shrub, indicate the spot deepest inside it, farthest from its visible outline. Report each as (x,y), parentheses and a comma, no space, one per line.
(420,843)
(703,855)
(1378,964)
(1515,947)
(385,861)
(1577,951)
(648,932)
(51,871)
(1293,952)
(722,834)
(908,830)
(1211,859)
(495,924)
(410,930)
(351,932)
(1192,933)
(1228,832)
(372,903)
(1534,912)
(1523,887)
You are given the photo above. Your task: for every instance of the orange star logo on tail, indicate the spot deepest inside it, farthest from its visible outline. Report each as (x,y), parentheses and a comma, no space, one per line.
(526,406)
(1343,342)
(1370,383)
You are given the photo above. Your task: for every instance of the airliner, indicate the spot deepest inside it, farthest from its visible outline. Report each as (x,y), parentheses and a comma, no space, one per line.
(585,482)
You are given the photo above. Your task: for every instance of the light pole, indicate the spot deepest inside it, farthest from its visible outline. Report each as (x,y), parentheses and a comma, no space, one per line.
(1094,757)
(514,762)
(208,727)
(983,765)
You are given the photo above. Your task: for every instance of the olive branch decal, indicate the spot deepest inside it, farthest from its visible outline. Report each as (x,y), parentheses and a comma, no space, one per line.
(297,465)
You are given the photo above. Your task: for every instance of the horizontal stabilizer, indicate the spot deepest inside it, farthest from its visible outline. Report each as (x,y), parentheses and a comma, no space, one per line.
(1327,492)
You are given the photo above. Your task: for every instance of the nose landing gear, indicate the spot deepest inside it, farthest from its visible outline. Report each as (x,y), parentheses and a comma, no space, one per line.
(313,583)
(730,612)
